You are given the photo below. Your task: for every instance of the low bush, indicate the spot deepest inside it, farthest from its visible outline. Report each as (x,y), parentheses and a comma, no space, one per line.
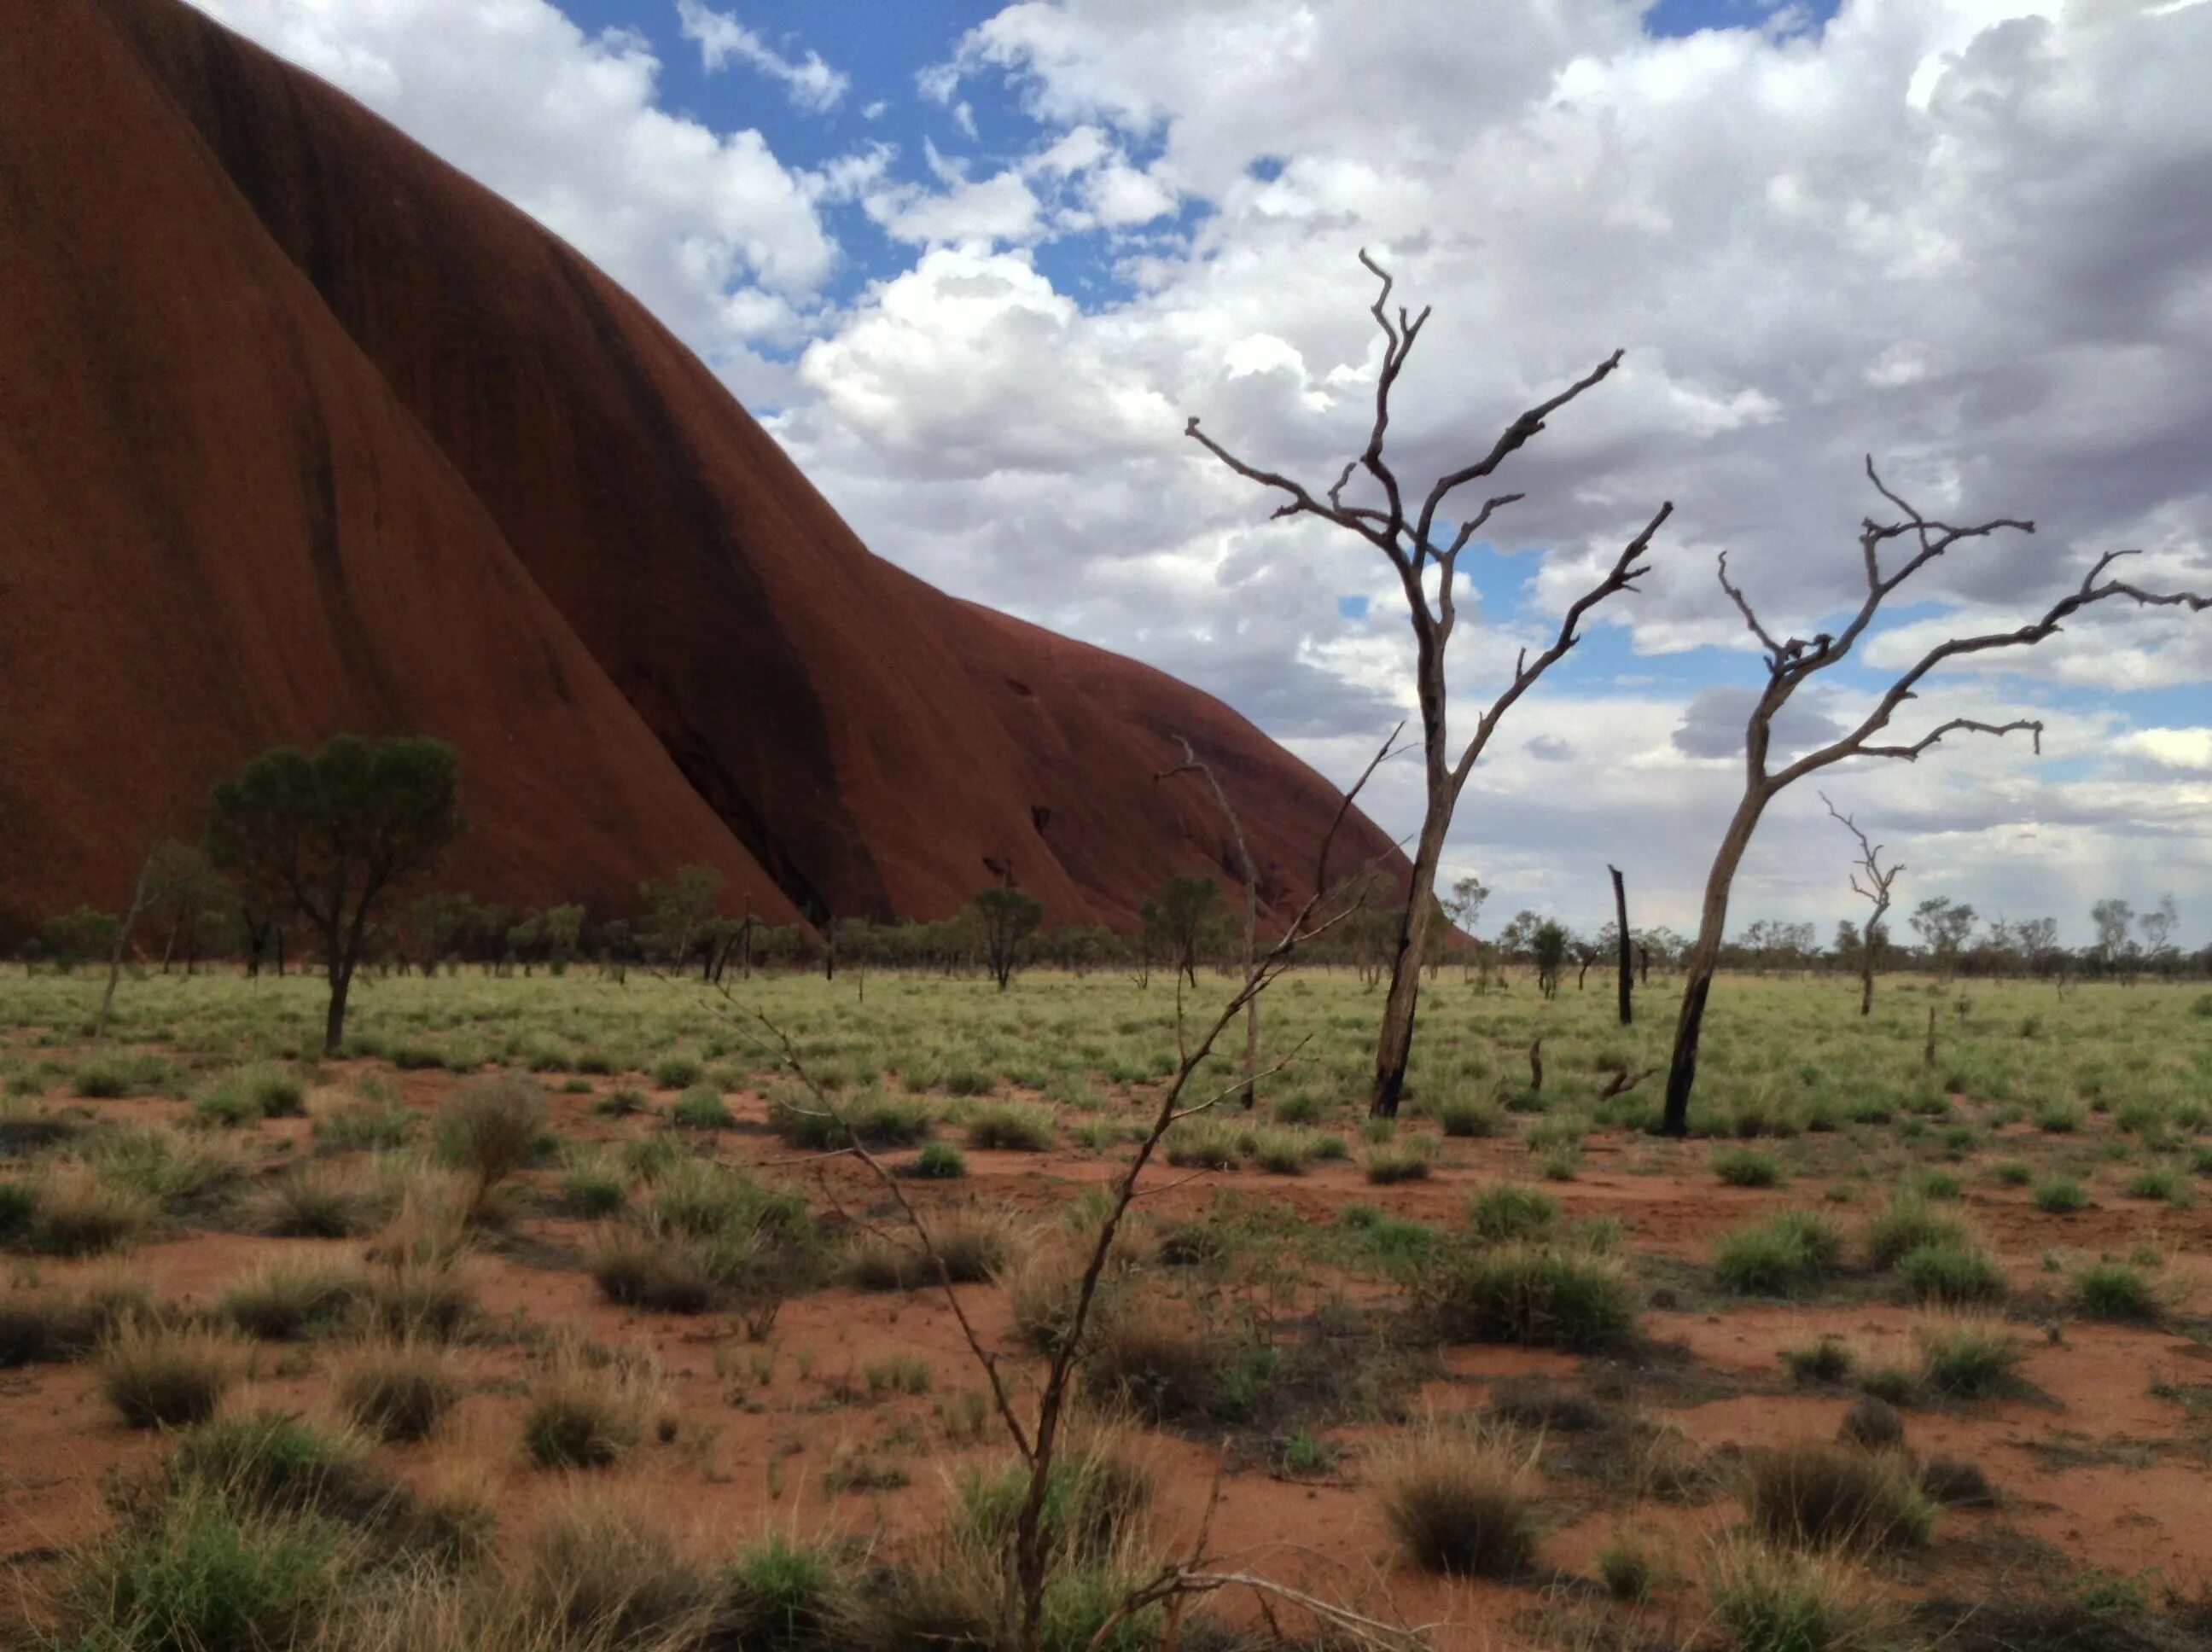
(1816,1496)
(2117,1290)
(284,1301)
(54,1324)
(1528,1293)
(597,1570)
(661,1272)
(1460,1504)
(1407,1158)
(1953,1276)
(1909,1223)
(1463,1117)
(1828,1360)
(1765,1599)
(1012,1126)
(700,1107)
(939,1161)
(1957,1483)
(1872,1423)
(1207,1143)
(159,1376)
(1746,1167)
(1511,1210)
(489,1127)
(577,1414)
(258,1091)
(2060,1196)
(323,1201)
(397,1391)
(677,1070)
(77,1212)
(1969,1359)
(1793,1251)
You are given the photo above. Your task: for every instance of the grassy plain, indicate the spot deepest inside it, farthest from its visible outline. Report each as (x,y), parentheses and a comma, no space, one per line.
(551,1316)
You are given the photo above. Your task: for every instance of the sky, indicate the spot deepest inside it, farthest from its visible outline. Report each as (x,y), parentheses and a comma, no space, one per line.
(974,266)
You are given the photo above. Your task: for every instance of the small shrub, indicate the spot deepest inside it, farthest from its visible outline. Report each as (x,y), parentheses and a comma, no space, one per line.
(283,1302)
(1949,1275)
(489,1127)
(973,1248)
(397,1391)
(1285,1152)
(600,1570)
(1746,1167)
(373,1122)
(590,1186)
(1460,1504)
(78,1213)
(1541,1405)
(1907,1224)
(1767,1598)
(677,1070)
(1968,1359)
(1628,1567)
(1463,1117)
(2162,1181)
(42,1325)
(1205,1143)
(1871,1423)
(2013,1174)
(1532,1294)
(1828,1360)
(2060,1196)
(424,1297)
(322,1201)
(1813,1496)
(258,1091)
(1509,1211)
(779,1592)
(939,1161)
(2117,1290)
(700,1107)
(1790,1252)
(2059,1118)
(1408,1159)
(1012,1126)
(1940,1186)
(112,1074)
(1957,1483)
(577,1415)
(663,1274)
(159,1377)
(1894,1385)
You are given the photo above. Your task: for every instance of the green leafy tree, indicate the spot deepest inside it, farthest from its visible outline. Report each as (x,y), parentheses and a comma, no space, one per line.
(1005,917)
(676,912)
(331,836)
(1549,944)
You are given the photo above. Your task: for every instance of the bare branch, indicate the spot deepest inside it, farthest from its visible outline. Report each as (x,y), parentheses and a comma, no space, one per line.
(1957,725)
(1743,606)
(1515,436)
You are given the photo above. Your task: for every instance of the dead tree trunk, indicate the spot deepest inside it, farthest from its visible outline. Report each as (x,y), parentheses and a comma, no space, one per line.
(1621,923)
(1876,890)
(1792,661)
(1190,763)
(1408,540)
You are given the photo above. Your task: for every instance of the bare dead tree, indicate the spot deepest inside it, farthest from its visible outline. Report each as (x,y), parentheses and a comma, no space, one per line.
(1875,889)
(1035,1435)
(1409,539)
(1792,661)
(1620,925)
(143,890)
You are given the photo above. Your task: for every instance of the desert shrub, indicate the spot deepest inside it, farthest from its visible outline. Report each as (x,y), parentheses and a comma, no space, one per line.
(58,1324)
(1872,1423)
(2164,1182)
(283,1302)
(1528,1293)
(19,1200)
(198,1574)
(1793,1251)
(1012,1126)
(278,1464)
(158,1376)
(591,1186)
(1208,1143)
(1765,1599)
(2117,1290)
(780,1592)
(1464,1116)
(258,1091)
(1968,1359)
(1627,1566)
(1894,1385)
(1815,1495)
(600,1571)
(1938,1186)
(1828,1360)
(1951,1275)
(2059,1118)
(1957,1483)
(1041,1284)
(2060,1196)
(1746,1167)
(662,1272)
(429,1297)
(1407,1158)
(397,1391)
(489,1127)
(1906,1224)
(110,1075)
(323,1201)
(79,1213)
(377,1122)
(1460,1504)
(677,1071)
(1511,1210)
(577,1414)
(1142,1358)
(939,1161)
(700,1107)
(1287,1152)
(177,1169)
(972,1245)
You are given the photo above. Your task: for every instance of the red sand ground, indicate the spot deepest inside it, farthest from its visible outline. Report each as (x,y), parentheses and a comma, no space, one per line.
(306,433)
(2094,1463)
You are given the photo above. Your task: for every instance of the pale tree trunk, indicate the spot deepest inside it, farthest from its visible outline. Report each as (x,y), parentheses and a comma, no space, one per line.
(1704,956)
(1394,1046)
(1866,961)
